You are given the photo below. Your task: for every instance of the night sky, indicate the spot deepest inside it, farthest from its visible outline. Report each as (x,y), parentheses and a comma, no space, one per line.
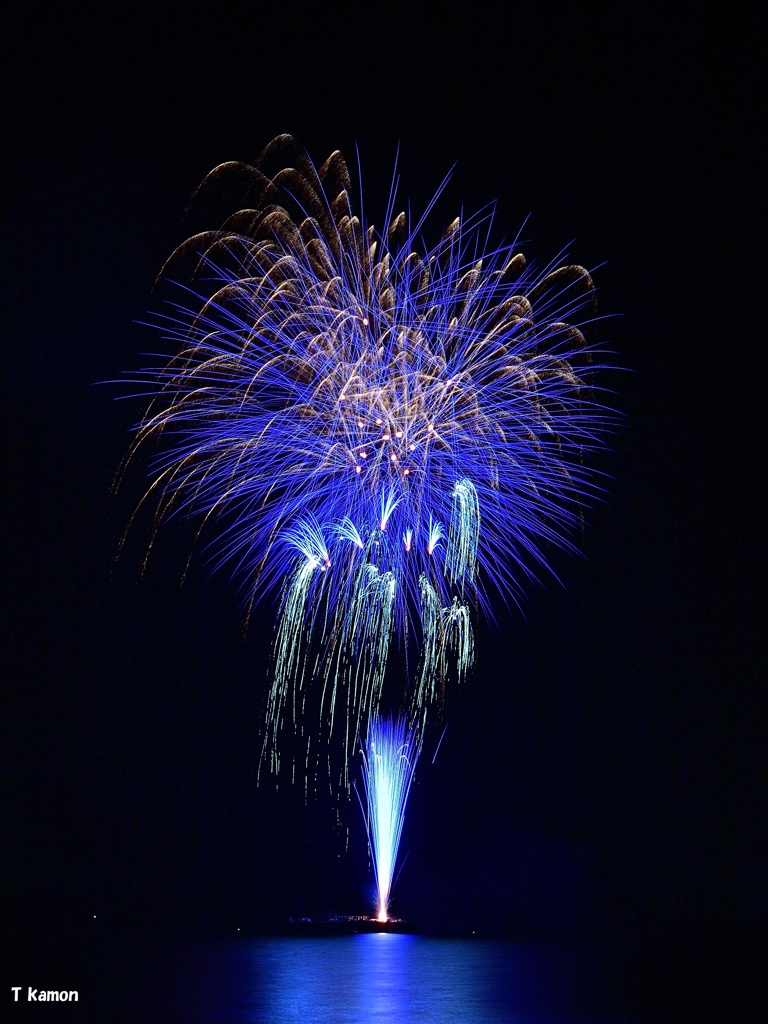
(602,770)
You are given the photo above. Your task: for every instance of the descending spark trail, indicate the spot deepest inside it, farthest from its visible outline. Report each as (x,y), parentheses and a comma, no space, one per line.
(389,761)
(382,432)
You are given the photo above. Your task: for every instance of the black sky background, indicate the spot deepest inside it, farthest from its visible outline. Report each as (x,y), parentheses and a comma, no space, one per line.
(602,771)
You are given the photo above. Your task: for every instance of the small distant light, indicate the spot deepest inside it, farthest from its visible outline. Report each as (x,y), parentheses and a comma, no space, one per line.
(363,455)
(412,448)
(360,423)
(365,321)
(94,917)
(431,427)
(398,433)
(393,457)
(358,469)
(379,422)
(406,472)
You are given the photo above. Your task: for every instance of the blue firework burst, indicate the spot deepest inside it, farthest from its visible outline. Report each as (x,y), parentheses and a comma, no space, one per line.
(380,431)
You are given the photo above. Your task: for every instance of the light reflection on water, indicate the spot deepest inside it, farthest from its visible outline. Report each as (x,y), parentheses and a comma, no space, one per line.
(394,978)
(377,977)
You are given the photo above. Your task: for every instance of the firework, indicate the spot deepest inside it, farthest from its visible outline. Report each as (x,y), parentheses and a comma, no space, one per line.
(389,761)
(381,433)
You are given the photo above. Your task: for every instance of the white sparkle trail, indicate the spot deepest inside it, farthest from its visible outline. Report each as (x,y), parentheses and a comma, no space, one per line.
(464,533)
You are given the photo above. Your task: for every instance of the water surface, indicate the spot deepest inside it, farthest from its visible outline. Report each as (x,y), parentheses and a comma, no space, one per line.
(391,978)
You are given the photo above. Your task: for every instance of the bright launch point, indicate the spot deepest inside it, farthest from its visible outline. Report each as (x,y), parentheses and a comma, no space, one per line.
(389,761)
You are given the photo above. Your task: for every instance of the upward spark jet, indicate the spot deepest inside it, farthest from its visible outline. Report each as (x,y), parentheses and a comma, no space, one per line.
(389,762)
